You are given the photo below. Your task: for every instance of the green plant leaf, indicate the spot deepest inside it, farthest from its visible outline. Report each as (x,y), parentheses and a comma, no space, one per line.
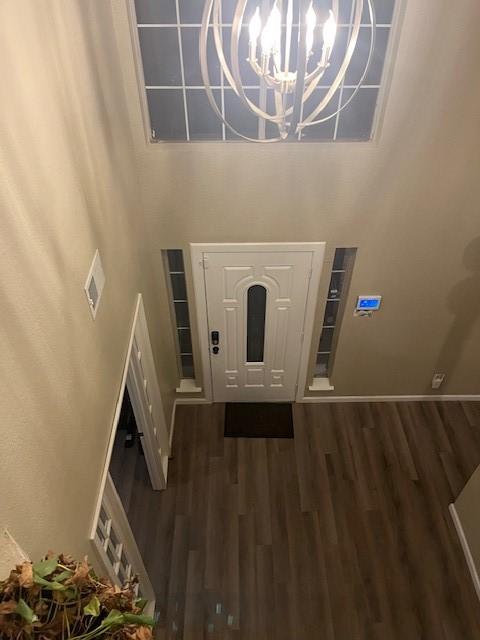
(92,608)
(47,584)
(25,612)
(114,617)
(134,618)
(141,603)
(60,577)
(45,567)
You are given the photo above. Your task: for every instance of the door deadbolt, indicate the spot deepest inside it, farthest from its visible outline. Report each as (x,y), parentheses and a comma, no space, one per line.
(215,339)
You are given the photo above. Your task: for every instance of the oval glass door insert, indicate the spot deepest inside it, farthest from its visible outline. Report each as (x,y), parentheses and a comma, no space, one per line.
(256,310)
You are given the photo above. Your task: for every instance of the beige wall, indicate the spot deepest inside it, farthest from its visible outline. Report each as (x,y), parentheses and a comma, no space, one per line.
(68,185)
(409,201)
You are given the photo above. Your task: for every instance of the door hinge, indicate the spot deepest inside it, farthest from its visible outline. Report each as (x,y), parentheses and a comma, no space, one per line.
(302,337)
(204,262)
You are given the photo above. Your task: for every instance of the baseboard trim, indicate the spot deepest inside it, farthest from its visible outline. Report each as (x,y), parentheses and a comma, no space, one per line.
(465,547)
(436,398)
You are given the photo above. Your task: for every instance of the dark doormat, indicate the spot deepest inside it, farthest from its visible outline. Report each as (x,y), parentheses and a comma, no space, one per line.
(258,420)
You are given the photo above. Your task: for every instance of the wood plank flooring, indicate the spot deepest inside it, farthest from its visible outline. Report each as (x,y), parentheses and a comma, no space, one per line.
(340,534)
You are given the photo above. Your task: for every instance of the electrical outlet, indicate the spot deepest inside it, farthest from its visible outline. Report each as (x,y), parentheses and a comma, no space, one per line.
(437,380)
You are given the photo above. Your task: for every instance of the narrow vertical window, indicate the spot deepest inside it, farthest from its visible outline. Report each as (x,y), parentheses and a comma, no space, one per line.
(337,292)
(256,308)
(179,302)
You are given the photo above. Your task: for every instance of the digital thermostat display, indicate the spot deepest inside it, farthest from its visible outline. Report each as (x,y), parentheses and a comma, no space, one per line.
(369,303)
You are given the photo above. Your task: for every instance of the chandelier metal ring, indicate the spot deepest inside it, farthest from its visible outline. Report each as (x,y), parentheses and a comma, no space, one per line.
(291,88)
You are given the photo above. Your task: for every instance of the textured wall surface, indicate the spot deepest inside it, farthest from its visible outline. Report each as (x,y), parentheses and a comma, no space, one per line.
(69,185)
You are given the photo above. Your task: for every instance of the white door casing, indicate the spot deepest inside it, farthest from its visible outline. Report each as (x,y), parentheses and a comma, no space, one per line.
(227,280)
(116,547)
(139,375)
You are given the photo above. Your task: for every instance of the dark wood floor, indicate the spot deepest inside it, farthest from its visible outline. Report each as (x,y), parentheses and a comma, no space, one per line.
(343,533)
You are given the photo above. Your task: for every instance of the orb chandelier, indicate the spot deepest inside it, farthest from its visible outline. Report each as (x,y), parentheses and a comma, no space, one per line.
(289,53)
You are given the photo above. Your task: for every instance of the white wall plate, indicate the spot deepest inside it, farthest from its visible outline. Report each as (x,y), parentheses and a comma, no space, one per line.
(94,284)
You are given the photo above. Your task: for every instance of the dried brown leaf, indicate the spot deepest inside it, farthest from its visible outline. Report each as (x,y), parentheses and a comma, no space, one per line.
(80,574)
(25,578)
(8,607)
(141,633)
(67,559)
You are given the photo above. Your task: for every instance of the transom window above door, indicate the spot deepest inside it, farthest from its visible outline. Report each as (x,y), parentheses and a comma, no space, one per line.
(177,104)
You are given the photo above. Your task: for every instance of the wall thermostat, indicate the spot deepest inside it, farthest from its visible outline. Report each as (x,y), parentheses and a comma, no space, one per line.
(366,305)
(370,303)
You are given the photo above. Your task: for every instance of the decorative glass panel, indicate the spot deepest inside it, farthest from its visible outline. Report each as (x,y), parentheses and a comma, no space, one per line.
(331,312)
(321,365)
(326,341)
(256,308)
(178,288)
(339,279)
(175,260)
(181,315)
(336,284)
(185,341)
(187,366)
(339,259)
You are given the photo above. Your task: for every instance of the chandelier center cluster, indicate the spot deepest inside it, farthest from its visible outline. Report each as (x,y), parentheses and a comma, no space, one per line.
(274,65)
(289,54)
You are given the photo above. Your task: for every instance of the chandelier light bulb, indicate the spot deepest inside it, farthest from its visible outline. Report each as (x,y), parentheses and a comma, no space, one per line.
(255,27)
(271,33)
(329,31)
(311,20)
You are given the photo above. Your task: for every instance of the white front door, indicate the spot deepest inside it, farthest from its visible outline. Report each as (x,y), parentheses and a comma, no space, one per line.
(256,300)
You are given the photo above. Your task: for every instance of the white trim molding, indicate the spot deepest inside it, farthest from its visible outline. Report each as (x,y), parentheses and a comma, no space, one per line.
(172,425)
(436,398)
(187,385)
(313,399)
(465,547)
(120,559)
(320,384)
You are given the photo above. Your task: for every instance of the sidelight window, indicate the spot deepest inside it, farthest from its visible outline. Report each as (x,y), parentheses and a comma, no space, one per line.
(337,292)
(179,302)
